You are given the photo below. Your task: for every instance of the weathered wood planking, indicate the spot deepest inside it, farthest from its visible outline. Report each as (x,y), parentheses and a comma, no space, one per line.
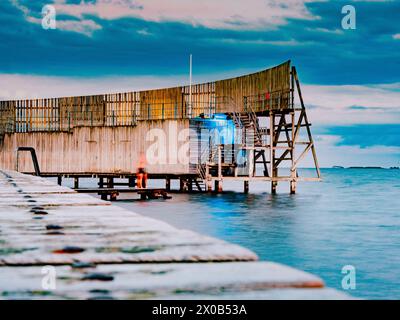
(125,109)
(240,280)
(30,184)
(126,256)
(162,104)
(98,149)
(270,80)
(106,234)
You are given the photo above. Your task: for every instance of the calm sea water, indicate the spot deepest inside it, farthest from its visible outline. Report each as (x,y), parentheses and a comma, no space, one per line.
(351,218)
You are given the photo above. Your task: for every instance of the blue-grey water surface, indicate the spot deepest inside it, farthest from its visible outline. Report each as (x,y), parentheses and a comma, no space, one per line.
(351,218)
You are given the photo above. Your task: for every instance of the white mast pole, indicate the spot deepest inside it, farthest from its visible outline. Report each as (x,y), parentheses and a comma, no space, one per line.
(190,87)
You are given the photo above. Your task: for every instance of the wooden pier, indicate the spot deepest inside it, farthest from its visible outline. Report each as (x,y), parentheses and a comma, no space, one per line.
(100,251)
(113,193)
(246,128)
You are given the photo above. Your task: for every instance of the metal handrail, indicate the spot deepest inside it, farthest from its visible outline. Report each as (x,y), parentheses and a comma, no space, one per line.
(253,118)
(34,158)
(256,126)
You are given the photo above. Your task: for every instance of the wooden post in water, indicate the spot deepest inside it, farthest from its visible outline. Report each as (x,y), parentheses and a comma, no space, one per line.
(168,184)
(208,179)
(101,185)
(218,186)
(131,182)
(110,182)
(209,185)
(293,171)
(183,184)
(59,180)
(218,183)
(272,152)
(76,183)
(246,187)
(251,163)
(274,183)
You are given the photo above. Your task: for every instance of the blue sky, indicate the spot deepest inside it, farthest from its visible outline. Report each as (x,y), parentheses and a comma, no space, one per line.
(350,77)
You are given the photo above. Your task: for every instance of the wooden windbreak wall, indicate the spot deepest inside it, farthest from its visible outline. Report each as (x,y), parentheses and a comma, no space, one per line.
(162,104)
(103,149)
(262,90)
(253,86)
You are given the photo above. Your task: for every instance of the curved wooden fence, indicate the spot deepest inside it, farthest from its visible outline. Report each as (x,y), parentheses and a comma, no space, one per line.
(265,90)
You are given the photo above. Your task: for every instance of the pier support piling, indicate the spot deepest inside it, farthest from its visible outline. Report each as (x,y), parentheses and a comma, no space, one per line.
(246,187)
(131,182)
(76,183)
(292,187)
(59,180)
(110,182)
(273,187)
(101,185)
(168,184)
(183,185)
(218,186)
(274,184)
(209,185)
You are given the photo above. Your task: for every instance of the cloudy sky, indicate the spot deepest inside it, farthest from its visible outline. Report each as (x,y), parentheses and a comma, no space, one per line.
(351,78)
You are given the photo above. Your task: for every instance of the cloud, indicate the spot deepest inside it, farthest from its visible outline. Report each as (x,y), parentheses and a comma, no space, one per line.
(144,32)
(221,14)
(329,154)
(16,86)
(83,26)
(124,43)
(20,7)
(86,27)
(290,42)
(396,36)
(365,135)
(356,146)
(345,147)
(351,104)
(325,30)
